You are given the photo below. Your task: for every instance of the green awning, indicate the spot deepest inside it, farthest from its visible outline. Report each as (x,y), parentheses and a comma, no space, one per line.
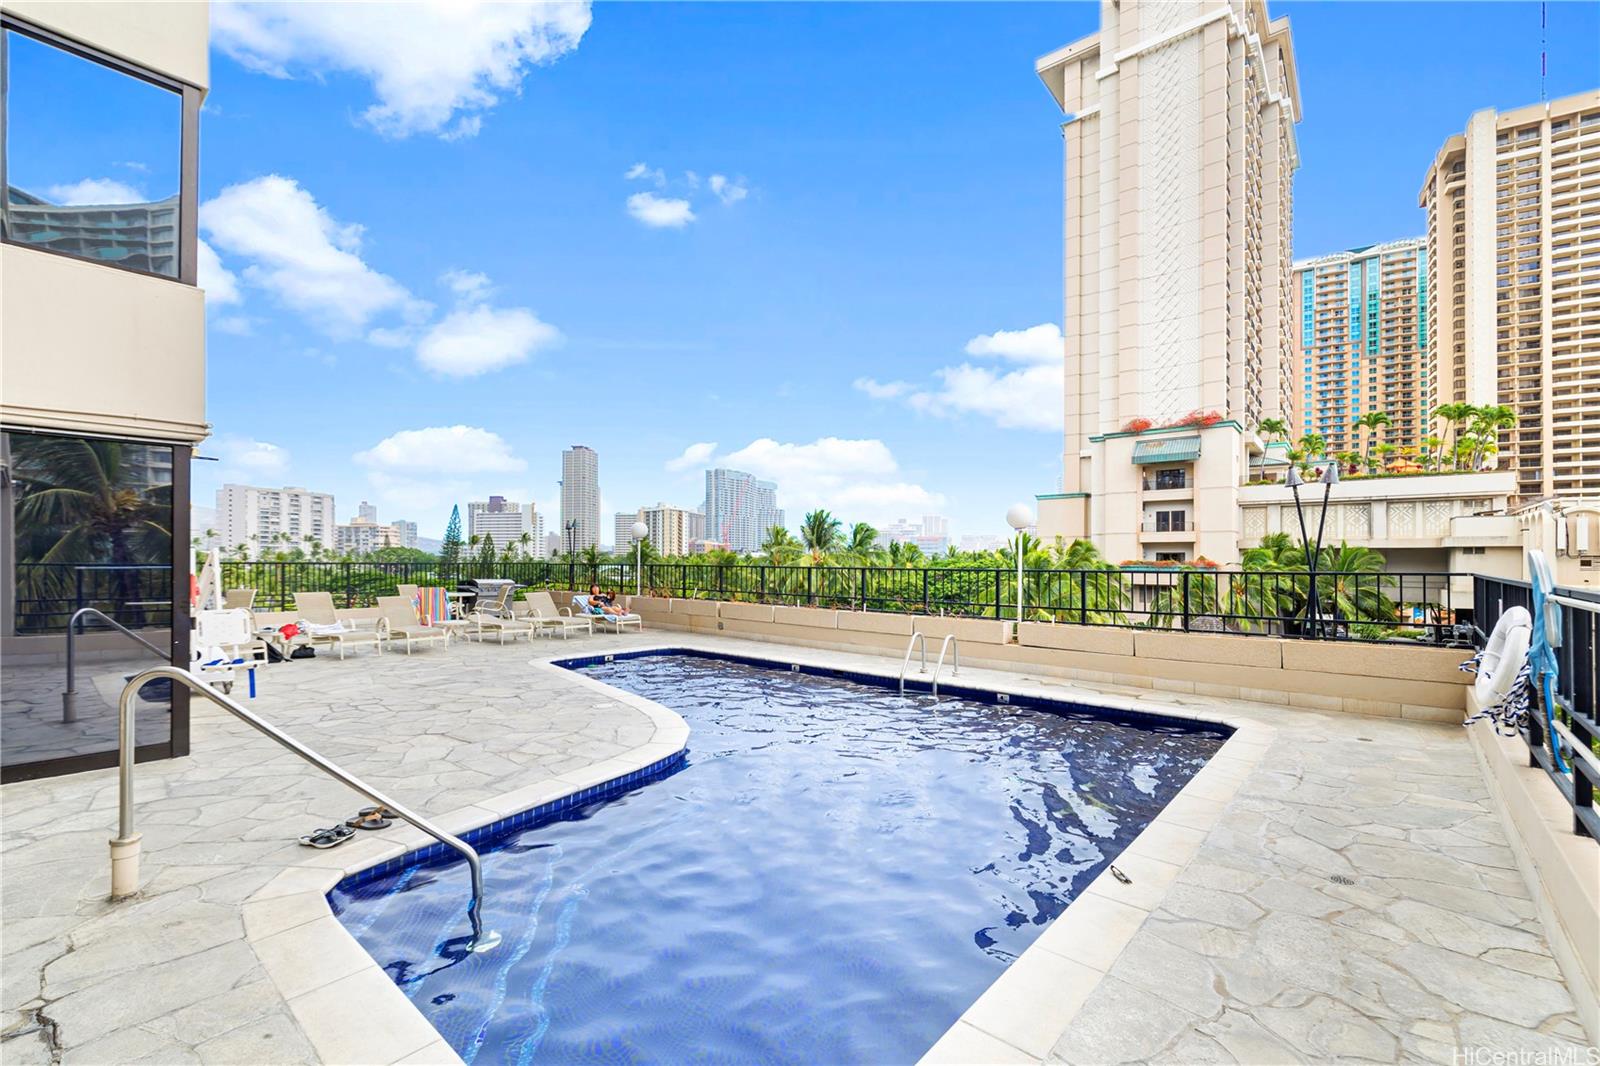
(1167,450)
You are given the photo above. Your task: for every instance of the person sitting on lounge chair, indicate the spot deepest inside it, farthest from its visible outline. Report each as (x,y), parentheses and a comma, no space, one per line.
(604,603)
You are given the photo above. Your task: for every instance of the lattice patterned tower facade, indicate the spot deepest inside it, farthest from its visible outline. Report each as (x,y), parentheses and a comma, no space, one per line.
(1514,257)
(1361,333)
(1180,153)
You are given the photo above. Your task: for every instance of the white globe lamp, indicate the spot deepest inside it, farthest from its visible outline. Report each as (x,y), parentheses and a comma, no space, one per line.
(640,531)
(1019,518)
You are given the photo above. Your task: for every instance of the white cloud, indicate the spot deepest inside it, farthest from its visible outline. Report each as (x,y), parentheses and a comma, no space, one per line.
(1037,344)
(1018,399)
(417,471)
(220,284)
(659,212)
(237,325)
(467,285)
(304,256)
(96,191)
(250,459)
(640,172)
(728,191)
(882,390)
(1026,398)
(694,455)
(443,450)
(857,479)
(434,67)
(476,339)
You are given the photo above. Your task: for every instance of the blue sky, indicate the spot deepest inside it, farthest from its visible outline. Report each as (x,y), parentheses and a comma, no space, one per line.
(433,273)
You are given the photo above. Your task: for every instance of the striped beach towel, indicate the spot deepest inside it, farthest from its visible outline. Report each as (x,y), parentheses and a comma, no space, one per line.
(432,605)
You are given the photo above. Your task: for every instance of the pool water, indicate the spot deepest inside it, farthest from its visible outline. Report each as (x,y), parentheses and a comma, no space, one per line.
(833,874)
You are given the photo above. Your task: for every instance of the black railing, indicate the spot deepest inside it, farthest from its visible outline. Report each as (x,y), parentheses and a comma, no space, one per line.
(1575,690)
(49,594)
(1351,606)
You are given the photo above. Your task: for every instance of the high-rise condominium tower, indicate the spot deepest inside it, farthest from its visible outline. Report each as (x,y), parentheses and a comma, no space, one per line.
(1514,284)
(740,509)
(1361,328)
(504,520)
(1180,150)
(580,499)
(266,520)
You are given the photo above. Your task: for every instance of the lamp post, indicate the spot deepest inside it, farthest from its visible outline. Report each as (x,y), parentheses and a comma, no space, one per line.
(640,531)
(1329,478)
(1019,517)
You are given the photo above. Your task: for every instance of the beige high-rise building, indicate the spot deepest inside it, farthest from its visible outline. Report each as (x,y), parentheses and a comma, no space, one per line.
(1180,151)
(1361,333)
(1514,284)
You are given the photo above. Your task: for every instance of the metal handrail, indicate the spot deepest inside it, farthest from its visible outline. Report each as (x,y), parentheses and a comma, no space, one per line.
(905,664)
(69,697)
(126,837)
(949,641)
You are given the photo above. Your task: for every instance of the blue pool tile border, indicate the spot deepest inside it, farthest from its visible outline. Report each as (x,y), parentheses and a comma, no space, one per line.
(544,812)
(1127,715)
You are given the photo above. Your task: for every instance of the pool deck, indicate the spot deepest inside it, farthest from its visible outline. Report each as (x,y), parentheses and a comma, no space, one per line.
(1238,940)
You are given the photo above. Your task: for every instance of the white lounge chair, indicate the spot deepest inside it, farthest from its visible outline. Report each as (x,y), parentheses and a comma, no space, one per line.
(398,621)
(616,623)
(547,618)
(239,599)
(486,623)
(324,626)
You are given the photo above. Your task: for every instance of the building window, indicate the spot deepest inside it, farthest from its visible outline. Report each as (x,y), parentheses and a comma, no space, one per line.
(1171,557)
(1172,479)
(88,522)
(1169,521)
(95,162)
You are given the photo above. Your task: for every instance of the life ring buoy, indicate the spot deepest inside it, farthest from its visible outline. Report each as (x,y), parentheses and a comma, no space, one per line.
(1503,656)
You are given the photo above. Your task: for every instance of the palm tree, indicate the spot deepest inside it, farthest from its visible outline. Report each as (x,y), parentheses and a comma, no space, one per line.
(1385,450)
(863,541)
(1487,422)
(820,532)
(75,505)
(1372,421)
(1313,444)
(1456,414)
(1276,428)
(1432,452)
(780,547)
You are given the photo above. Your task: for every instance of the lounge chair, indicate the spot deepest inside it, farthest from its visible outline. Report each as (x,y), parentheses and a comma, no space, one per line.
(486,623)
(324,626)
(398,621)
(498,604)
(616,623)
(545,617)
(239,599)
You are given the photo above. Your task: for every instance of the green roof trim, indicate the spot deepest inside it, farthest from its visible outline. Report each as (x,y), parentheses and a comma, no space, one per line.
(1061,496)
(1167,450)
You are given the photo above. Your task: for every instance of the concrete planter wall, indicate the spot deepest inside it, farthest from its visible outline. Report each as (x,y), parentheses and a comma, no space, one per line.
(1375,679)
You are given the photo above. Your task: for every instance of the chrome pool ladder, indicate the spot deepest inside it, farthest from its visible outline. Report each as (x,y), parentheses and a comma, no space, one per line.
(920,640)
(125,848)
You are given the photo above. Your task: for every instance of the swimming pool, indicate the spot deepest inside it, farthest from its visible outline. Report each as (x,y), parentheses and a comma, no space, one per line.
(832,874)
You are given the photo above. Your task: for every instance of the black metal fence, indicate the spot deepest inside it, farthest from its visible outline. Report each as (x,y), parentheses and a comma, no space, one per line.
(48,594)
(1349,605)
(1577,683)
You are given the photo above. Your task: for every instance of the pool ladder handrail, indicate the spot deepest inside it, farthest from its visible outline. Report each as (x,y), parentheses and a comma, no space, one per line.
(905,664)
(124,849)
(69,695)
(951,642)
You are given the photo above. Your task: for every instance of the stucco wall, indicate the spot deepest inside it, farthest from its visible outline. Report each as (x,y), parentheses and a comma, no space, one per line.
(167,36)
(1375,679)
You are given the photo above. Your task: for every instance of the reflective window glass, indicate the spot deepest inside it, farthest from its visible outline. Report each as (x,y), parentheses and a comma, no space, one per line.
(93,159)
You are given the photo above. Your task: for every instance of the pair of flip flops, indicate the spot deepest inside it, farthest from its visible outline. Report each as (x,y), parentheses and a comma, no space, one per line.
(333,836)
(371,818)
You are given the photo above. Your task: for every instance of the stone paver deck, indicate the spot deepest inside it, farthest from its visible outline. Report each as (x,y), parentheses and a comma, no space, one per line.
(1356,898)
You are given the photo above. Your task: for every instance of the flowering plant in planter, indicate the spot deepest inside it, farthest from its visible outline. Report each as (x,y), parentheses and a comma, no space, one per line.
(1137,425)
(1199,418)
